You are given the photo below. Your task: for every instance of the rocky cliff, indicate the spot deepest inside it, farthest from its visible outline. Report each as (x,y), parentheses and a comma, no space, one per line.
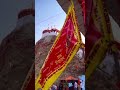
(42,47)
(16,57)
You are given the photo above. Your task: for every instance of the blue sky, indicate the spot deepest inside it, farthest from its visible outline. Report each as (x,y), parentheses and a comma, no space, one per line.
(48,13)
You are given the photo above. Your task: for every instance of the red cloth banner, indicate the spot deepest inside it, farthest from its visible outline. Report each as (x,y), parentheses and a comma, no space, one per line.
(64,48)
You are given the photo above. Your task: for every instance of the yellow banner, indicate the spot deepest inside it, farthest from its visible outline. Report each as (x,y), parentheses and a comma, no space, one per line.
(101,22)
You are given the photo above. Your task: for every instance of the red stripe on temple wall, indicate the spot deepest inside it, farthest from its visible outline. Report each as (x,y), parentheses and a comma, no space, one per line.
(52,30)
(26,12)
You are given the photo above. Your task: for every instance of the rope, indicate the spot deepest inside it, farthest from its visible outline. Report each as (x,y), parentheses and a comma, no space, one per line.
(50,17)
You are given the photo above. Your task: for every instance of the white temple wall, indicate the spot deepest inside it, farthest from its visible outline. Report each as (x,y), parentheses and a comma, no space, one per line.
(24,20)
(48,34)
(45,34)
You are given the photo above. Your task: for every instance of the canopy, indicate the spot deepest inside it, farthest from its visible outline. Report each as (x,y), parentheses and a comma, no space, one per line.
(69,78)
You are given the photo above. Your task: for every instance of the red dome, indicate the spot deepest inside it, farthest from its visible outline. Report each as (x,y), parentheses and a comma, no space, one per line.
(54,30)
(26,12)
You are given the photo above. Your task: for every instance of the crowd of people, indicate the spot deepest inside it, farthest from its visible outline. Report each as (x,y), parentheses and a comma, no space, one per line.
(73,85)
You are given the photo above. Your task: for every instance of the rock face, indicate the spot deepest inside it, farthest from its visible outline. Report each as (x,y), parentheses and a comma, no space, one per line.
(105,76)
(16,57)
(42,47)
(100,81)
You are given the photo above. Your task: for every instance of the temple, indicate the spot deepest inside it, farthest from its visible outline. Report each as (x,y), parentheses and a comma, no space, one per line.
(25,16)
(48,32)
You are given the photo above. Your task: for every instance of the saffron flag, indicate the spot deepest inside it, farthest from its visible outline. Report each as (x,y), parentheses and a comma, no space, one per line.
(62,52)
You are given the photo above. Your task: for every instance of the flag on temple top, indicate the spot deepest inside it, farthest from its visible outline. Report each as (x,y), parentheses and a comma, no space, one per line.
(62,52)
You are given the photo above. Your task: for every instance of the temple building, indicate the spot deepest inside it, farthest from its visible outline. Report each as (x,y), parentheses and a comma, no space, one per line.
(48,32)
(25,16)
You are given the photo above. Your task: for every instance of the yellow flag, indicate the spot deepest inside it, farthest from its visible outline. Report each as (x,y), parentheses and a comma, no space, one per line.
(100,22)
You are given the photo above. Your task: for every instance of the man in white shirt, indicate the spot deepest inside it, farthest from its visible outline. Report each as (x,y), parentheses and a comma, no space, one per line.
(75,86)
